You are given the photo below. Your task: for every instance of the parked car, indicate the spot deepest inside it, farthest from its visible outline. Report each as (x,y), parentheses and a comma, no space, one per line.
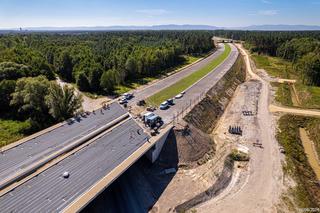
(170,101)
(128,96)
(123,101)
(178,96)
(164,105)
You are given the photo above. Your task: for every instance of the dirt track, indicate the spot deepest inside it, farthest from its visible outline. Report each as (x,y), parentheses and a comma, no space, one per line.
(258,188)
(88,103)
(296,111)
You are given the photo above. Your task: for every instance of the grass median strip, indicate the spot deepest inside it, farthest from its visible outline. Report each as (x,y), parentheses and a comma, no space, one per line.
(183,84)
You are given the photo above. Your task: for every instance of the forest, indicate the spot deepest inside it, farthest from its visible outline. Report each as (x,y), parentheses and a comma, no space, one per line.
(95,62)
(301,48)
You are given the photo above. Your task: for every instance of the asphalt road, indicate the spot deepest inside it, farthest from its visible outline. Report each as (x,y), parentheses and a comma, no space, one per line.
(33,150)
(200,88)
(50,192)
(143,93)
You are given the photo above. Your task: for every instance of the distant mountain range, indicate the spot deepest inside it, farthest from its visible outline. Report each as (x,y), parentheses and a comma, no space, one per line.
(281,27)
(171,27)
(115,28)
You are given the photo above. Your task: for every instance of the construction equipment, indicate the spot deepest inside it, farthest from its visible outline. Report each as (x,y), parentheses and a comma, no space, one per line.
(154,121)
(236,130)
(247,113)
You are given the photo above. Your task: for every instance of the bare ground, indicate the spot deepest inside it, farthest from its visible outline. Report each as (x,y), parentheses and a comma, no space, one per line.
(296,111)
(252,187)
(262,183)
(88,103)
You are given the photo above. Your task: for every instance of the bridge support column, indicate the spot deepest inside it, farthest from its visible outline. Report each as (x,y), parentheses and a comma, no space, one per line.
(154,152)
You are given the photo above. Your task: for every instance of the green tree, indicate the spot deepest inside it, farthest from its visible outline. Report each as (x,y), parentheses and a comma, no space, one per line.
(107,81)
(62,102)
(7,87)
(82,82)
(13,71)
(94,78)
(29,98)
(131,67)
(66,67)
(309,68)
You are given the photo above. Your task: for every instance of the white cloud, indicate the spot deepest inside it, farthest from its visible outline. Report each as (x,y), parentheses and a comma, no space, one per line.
(268,12)
(153,12)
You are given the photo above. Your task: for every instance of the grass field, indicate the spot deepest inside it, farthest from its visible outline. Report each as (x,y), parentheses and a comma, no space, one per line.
(11,131)
(309,96)
(188,59)
(274,66)
(283,94)
(307,192)
(183,84)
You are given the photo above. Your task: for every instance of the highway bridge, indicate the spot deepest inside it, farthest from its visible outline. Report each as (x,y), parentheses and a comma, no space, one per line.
(65,168)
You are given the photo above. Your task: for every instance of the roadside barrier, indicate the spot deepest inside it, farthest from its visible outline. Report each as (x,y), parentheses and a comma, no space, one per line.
(33,167)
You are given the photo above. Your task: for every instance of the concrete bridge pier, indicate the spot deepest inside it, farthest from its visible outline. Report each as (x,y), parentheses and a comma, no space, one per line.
(154,152)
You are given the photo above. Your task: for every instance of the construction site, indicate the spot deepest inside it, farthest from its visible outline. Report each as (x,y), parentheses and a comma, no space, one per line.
(216,146)
(210,155)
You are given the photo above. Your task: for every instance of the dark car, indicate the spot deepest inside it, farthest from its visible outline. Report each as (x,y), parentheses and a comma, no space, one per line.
(141,103)
(170,101)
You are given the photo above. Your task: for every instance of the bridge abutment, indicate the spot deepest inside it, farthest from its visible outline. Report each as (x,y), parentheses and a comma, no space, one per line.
(155,150)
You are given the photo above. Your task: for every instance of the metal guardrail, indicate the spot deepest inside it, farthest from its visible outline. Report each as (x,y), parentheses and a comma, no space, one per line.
(33,167)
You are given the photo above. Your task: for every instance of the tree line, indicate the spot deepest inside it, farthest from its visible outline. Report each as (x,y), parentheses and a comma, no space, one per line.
(95,61)
(302,48)
(38,100)
(99,61)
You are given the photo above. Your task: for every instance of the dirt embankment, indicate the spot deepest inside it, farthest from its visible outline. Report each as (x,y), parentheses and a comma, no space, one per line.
(207,113)
(195,146)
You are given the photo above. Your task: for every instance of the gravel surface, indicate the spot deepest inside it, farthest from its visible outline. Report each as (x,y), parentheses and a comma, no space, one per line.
(260,188)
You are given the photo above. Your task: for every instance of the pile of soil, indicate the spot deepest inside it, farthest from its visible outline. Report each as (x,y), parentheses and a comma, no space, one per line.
(194,146)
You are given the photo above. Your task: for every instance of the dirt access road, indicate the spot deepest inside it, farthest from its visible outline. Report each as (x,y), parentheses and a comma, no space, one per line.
(88,103)
(296,111)
(260,188)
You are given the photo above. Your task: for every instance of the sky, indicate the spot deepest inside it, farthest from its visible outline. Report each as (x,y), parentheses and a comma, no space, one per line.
(231,13)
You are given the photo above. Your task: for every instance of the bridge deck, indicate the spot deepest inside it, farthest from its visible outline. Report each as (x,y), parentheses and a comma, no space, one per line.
(50,192)
(31,151)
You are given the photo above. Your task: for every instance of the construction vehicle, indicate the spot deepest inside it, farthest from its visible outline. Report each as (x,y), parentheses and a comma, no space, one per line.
(146,116)
(152,120)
